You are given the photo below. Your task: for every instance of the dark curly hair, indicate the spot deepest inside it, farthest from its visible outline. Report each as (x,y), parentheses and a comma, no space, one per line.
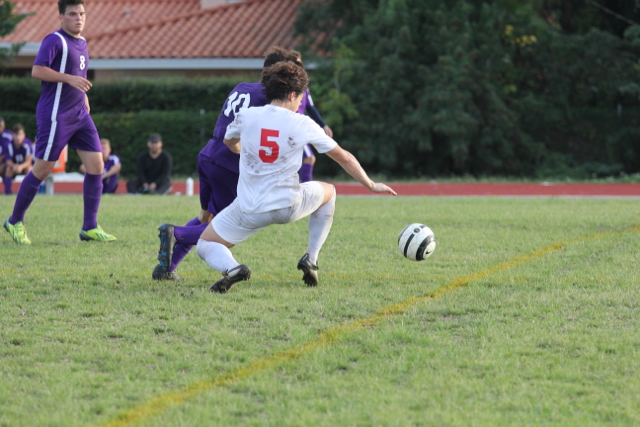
(62,5)
(280,79)
(277,54)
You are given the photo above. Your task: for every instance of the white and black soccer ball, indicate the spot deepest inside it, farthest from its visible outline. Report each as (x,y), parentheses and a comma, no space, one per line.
(416,242)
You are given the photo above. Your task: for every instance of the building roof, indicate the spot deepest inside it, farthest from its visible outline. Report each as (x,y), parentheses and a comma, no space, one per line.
(102,16)
(169,29)
(238,30)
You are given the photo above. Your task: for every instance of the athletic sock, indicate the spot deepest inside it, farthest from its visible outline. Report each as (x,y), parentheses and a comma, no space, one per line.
(186,238)
(319,226)
(216,255)
(306,172)
(27,192)
(7,184)
(92,193)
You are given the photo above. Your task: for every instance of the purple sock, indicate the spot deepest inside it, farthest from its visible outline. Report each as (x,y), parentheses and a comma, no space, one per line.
(186,237)
(7,185)
(26,194)
(92,193)
(306,172)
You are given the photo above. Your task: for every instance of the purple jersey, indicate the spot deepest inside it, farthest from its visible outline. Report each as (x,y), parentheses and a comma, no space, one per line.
(5,139)
(111,183)
(306,100)
(243,96)
(65,54)
(19,154)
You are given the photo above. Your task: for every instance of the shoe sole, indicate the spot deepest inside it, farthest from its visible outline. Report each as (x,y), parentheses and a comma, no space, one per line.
(309,277)
(167,242)
(223,285)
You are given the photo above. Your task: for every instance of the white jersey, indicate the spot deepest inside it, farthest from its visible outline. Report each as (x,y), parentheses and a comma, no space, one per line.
(272,139)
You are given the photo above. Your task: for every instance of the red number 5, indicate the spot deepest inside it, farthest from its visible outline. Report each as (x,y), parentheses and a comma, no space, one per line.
(271,149)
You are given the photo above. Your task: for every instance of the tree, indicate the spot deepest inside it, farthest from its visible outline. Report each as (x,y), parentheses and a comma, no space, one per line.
(471,86)
(8,22)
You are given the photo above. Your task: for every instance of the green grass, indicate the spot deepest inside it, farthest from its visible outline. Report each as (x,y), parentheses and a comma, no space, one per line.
(87,338)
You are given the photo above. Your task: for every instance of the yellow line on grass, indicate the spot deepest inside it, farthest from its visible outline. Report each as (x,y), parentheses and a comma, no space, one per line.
(158,404)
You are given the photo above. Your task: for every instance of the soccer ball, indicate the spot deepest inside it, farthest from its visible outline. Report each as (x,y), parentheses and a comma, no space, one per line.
(416,242)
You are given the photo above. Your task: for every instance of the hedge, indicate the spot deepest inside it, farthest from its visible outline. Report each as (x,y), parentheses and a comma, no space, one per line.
(167,94)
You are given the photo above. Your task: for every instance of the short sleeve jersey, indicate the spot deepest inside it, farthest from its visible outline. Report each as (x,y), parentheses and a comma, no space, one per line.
(69,55)
(5,139)
(243,96)
(112,160)
(20,154)
(271,155)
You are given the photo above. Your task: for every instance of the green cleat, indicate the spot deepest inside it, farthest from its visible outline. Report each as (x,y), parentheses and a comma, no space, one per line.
(96,234)
(18,232)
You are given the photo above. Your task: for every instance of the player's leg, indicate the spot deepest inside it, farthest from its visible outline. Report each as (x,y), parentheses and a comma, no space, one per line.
(214,249)
(308,160)
(320,222)
(27,192)
(218,188)
(86,141)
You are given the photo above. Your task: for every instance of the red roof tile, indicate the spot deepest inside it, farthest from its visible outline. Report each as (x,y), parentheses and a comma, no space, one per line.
(102,16)
(238,30)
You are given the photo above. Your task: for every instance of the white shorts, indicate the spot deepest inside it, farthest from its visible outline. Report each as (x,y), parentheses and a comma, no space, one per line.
(236,226)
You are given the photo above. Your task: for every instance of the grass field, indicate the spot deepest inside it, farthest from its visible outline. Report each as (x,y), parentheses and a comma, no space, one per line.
(527,314)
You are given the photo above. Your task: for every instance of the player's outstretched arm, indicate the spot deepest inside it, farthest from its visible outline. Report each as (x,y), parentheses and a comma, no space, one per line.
(351,165)
(47,74)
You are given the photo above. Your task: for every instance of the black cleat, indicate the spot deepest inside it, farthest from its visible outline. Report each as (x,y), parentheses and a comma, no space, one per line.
(160,273)
(310,276)
(232,277)
(167,243)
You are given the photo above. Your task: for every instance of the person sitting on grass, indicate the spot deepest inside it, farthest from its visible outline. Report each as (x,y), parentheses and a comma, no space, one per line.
(112,167)
(19,157)
(153,168)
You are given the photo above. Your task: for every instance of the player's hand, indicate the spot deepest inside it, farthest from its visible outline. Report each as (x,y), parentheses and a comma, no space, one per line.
(328,131)
(79,83)
(379,187)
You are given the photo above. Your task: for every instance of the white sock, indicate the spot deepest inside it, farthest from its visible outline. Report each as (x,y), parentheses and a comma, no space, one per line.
(216,255)
(319,226)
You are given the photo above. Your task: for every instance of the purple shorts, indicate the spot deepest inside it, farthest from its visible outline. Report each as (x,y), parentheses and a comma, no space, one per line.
(79,134)
(218,186)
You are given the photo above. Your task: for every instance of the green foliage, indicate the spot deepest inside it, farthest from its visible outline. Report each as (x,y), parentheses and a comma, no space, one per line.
(437,88)
(8,22)
(184,133)
(168,94)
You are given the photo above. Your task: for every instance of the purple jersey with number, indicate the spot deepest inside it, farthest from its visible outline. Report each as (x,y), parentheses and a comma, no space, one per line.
(243,96)
(64,54)
(5,139)
(20,154)
(111,183)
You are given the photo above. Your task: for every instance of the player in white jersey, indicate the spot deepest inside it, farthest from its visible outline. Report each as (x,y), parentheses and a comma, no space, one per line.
(270,141)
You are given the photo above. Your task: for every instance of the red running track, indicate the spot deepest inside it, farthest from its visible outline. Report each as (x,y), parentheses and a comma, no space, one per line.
(435,189)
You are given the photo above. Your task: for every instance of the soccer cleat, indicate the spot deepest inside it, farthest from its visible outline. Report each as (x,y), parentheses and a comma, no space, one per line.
(167,243)
(160,273)
(232,277)
(18,232)
(310,276)
(96,234)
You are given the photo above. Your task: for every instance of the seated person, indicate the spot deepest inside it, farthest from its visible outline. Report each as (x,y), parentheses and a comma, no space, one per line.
(153,168)
(111,170)
(5,138)
(18,157)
